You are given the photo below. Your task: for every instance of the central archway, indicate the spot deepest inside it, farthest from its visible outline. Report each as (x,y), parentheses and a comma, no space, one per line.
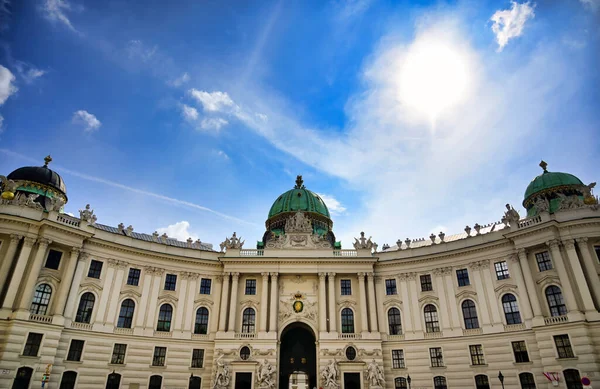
(297,353)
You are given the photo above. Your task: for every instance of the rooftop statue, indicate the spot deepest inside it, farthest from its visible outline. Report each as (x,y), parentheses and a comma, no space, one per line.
(232,243)
(511,216)
(364,243)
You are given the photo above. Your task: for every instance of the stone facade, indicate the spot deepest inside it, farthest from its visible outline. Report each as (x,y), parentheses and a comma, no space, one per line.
(468,297)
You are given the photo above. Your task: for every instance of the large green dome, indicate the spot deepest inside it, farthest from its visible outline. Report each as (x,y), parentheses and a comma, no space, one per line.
(299,199)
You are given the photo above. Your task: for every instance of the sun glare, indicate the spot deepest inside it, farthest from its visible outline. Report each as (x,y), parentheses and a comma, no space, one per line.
(433,78)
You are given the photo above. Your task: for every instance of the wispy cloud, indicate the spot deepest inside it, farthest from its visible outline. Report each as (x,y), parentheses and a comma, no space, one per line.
(7,86)
(5,14)
(509,23)
(213,101)
(114,184)
(89,121)
(28,72)
(56,11)
(594,5)
(214,124)
(189,113)
(334,206)
(137,49)
(179,81)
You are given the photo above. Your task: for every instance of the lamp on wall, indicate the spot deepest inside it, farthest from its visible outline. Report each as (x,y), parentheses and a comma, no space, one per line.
(501,378)
(408,380)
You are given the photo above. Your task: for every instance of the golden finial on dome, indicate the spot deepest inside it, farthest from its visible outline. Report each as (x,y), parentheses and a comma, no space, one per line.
(47,160)
(543,165)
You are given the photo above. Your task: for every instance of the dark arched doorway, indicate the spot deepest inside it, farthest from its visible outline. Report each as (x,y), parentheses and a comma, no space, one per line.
(23,377)
(298,353)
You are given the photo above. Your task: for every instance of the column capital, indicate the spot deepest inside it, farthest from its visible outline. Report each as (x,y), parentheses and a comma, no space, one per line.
(581,240)
(156,271)
(44,242)
(265,276)
(371,276)
(218,277)
(331,275)
(361,275)
(402,276)
(274,275)
(322,276)
(553,244)
(226,274)
(437,271)
(75,250)
(411,276)
(378,279)
(513,258)
(569,244)
(15,238)
(522,253)
(29,242)
(447,270)
(235,275)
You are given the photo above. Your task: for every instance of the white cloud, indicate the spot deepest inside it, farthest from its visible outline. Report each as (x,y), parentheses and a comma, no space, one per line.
(334,206)
(88,120)
(7,86)
(56,11)
(213,123)
(189,113)
(509,23)
(214,101)
(222,154)
(594,5)
(136,49)
(179,231)
(262,117)
(28,72)
(180,80)
(1,124)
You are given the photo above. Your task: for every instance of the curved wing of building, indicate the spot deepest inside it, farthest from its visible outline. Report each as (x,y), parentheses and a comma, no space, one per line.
(511,304)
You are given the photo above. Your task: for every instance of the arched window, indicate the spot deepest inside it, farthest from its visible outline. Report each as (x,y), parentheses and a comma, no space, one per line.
(86,307)
(41,299)
(400,383)
(481,382)
(572,379)
(249,321)
(155,382)
(347,321)
(164,318)
(439,382)
(68,380)
(394,321)
(432,323)
(113,381)
(555,301)
(201,326)
(470,314)
(511,309)
(126,314)
(22,378)
(527,381)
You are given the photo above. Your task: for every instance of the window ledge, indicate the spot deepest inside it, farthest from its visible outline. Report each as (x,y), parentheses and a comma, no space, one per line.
(154,366)
(437,367)
(523,363)
(196,368)
(69,361)
(398,368)
(29,356)
(117,364)
(567,359)
(481,365)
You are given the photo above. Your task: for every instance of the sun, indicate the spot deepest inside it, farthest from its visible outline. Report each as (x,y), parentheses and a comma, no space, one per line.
(433,77)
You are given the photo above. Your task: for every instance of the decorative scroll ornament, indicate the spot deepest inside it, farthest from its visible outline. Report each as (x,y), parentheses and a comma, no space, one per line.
(511,216)
(329,375)
(264,375)
(222,375)
(232,243)
(375,375)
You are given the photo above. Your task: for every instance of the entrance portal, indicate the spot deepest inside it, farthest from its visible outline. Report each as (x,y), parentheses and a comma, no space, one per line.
(298,354)
(351,380)
(243,380)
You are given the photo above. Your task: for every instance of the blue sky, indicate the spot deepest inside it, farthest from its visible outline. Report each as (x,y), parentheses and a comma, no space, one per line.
(191,117)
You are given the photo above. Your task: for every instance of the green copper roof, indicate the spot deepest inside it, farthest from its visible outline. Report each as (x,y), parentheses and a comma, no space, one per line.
(548,180)
(299,199)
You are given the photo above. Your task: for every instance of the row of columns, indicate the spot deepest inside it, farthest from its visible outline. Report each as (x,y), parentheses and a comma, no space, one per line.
(327,297)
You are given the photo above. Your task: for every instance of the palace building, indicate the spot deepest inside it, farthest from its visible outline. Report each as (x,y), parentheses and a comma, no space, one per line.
(512,304)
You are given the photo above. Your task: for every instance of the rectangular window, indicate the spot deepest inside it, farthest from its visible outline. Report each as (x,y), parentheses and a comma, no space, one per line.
(563,346)
(435,354)
(95,269)
(250,286)
(198,357)
(171,282)
(520,351)
(597,251)
(205,284)
(426,285)
(398,359)
(53,259)
(75,350)
(390,287)
(118,355)
(462,275)
(501,270)
(134,277)
(543,261)
(160,354)
(32,346)
(346,286)
(476,354)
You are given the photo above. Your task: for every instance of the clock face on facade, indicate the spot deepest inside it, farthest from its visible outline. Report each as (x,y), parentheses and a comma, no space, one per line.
(298,306)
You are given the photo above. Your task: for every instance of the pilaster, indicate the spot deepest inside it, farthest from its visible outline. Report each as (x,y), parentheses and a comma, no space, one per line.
(582,285)
(532,294)
(264,298)
(15,282)
(372,304)
(274,303)
(332,303)
(233,308)
(590,269)
(34,273)
(322,303)
(224,300)
(567,287)
(517,275)
(408,323)
(8,259)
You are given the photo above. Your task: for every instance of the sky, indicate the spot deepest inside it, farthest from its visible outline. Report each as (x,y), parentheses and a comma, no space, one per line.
(407,117)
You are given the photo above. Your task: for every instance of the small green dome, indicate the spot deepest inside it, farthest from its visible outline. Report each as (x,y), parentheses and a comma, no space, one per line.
(549,180)
(299,199)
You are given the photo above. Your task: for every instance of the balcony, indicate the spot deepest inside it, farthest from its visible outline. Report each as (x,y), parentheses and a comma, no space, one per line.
(40,318)
(199,336)
(345,253)
(123,331)
(244,335)
(472,331)
(349,336)
(163,334)
(68,220)
(81,326)
(395,338)
(514,327)
(556,320)
(433,335)
(252,253)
